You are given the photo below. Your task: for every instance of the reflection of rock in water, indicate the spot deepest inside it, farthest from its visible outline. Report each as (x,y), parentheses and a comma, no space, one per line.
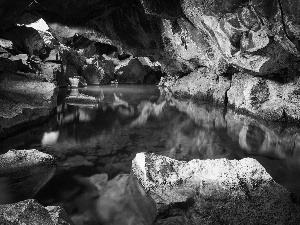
(217,191)
(123,201)
(23,173)
(277,148)
(254,138)
(120,201)
(245,133)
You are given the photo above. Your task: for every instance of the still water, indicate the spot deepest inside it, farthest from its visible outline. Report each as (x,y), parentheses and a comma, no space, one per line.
(94,144)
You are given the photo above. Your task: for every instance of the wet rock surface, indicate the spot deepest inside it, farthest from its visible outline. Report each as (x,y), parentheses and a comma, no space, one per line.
(214,191)
(31,212)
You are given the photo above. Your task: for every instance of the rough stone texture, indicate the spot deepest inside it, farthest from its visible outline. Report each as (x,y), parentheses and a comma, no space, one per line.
(31,212)
(59,215)
(24,173)
(26,40)
(268,99)
(202,85)
(260,37)
(24,100)
(217,191)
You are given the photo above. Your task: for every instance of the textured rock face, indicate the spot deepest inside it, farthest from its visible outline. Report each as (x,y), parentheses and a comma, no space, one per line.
(257,37)
(214,191)
(267,98)
(24,173)
(31,212)
(24,100)
(202,84)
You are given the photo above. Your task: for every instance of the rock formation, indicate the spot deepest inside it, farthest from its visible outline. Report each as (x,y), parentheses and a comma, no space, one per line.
(24,173)
(217,191)
(31,212)
(215,49)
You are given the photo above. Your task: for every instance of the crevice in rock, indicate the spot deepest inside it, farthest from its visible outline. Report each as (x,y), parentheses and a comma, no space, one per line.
(226,102)
(284,116)
(282,20)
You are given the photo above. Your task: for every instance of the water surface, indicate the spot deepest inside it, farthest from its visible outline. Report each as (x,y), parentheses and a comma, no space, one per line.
(96,143)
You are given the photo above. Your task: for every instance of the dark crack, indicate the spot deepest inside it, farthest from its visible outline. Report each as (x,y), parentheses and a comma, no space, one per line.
(282,20)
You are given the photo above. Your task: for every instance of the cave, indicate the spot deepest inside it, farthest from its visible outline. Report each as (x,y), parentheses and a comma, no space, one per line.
(140,112)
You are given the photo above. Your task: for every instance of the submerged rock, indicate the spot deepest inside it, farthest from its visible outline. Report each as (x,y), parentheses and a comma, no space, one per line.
(23,173)
(217,191)
(123,201)
(31,212)
(81,99)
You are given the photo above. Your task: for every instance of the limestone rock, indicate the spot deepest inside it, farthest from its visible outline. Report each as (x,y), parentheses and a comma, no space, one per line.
(31,212)
(268,99)
(202,85)
(59,215)
(24,173)
(24,101)
(215,191)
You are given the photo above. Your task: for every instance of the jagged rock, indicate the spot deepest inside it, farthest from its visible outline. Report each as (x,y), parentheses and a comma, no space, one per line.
(59,215)
(214,191)
(24,173)
(31,212)
(26,40)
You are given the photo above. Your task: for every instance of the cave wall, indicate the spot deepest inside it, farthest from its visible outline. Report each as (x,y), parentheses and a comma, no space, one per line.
(238,53)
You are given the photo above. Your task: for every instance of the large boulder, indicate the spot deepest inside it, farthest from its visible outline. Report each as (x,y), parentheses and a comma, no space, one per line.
(24,101)
(203,85)
(24,173)
(214,191)
(133,72)
(270,99)
(31,212)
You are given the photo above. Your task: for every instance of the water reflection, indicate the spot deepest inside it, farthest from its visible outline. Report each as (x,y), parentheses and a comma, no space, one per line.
(101,140)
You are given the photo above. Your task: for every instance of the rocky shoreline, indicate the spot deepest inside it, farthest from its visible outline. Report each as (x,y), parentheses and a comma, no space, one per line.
(161,190)
(245,94)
